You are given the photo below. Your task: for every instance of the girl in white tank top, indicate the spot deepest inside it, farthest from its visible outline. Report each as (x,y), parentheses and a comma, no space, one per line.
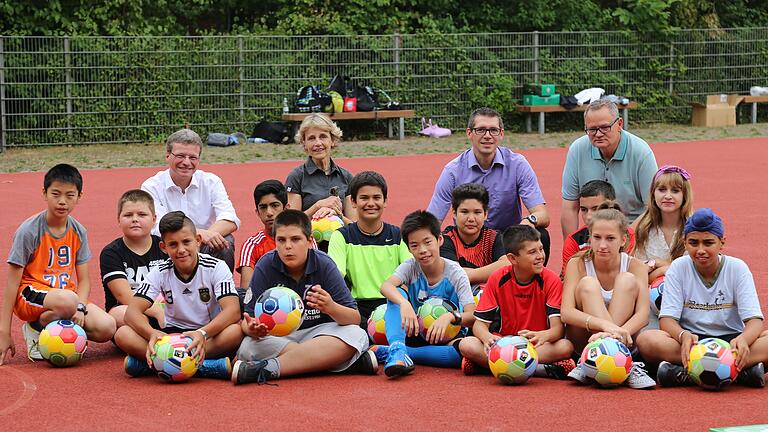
(624,267)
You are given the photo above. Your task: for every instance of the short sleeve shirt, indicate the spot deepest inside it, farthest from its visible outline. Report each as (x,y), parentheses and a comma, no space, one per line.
(714,310)
(49,260)
(193,303)
(454,286)
(117,261)
(320,270)
(485,250)
(313,184)
(509,180)
(517,306)
(254,248)
(630,171)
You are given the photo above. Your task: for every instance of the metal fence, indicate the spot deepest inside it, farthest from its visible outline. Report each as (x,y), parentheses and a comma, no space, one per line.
(81,90)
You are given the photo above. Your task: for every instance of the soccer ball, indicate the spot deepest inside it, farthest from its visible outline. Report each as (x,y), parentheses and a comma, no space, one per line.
(323,228)
(656,290)
(607,361)
(477,291)
(171,360)
(430,311)
(712,364)
(280,309)
(513,359)
(63,343)
(376,328)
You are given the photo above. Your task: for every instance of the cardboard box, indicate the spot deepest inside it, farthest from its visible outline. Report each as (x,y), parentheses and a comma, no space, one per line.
(539,89)
(716,111)
(532,100)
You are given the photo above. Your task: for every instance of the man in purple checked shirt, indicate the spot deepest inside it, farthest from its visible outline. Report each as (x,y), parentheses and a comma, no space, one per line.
(507,175)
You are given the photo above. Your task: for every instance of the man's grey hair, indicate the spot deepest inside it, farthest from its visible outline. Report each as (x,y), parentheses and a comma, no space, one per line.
(183,136)
(600,104)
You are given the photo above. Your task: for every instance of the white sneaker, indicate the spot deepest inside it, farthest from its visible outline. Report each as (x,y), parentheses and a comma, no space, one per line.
(638,378)
(579,374)
(32,338)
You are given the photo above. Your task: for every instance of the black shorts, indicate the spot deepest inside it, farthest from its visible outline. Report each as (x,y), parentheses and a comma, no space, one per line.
(726,337)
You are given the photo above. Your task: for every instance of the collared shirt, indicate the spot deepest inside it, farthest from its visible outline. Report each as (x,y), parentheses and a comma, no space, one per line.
(509,179)
(630,171)
(313,184)
(205,201)
(270,271)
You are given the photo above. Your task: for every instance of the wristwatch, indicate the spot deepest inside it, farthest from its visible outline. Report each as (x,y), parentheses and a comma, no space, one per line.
(456,318)
(203,332)
(81,308)
(532,219)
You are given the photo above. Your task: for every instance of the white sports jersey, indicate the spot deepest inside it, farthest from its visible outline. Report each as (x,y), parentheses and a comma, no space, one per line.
(194,303)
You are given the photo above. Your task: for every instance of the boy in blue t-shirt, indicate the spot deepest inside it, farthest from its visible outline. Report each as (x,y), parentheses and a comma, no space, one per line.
(424,276)
(329,338)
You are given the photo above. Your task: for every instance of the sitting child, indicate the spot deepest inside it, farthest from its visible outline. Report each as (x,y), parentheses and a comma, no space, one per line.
(525,298)
(707,294)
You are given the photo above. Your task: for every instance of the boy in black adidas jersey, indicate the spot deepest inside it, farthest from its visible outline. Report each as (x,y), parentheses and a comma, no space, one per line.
(126,261)
(201,302)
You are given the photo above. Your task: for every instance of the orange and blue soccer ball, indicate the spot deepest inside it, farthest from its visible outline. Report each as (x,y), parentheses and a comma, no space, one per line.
(712,364)
(656,290)
(376,328)
(477,291)
(513,359)
(172,360)
(607,361)
(63,343)
(432,309)
(280,309)
(323,228)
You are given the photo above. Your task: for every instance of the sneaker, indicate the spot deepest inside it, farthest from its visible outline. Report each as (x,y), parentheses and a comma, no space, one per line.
(32,338)
(638,377)
(468,366)
(381,352)
(752,377)
(579,374)
(244,372)
(136,367)
(366,364)
(220,368)
(672,375)
(559,369)
(399,364)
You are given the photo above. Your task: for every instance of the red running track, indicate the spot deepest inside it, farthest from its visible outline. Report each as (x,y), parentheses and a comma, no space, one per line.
(729,176)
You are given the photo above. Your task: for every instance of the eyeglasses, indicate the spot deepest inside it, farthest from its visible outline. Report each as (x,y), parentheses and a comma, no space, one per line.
(482,131)
(181,157)
(672,169)
(603,129)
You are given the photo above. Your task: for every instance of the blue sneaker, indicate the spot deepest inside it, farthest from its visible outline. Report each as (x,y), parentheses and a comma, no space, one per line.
(399,364)
(137,367)
(381,352)
(220,368)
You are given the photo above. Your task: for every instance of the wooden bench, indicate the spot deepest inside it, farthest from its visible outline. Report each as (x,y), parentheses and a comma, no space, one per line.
(543,109)
(389,115)
(754,100)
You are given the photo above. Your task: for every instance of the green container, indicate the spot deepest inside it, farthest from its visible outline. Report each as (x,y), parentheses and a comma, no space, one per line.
(532,100)
(539,90)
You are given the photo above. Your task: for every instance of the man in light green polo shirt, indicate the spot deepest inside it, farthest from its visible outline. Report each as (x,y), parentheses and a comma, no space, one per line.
(607,152)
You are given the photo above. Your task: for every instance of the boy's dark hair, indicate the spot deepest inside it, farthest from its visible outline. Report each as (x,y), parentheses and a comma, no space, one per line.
(367,178)
(63,173)
(292,217)
(270,187)
(595,188)
(418,220)
(135,195)
(175,221)
(469,191)
(514,237)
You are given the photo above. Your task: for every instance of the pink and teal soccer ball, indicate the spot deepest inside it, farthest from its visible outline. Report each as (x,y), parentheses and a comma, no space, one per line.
(607,361)
(172,361)
(63,343)
(376,328)
(432,309)
(513,359)
(712,364)
(280,309)
(656,290)
(323,228)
